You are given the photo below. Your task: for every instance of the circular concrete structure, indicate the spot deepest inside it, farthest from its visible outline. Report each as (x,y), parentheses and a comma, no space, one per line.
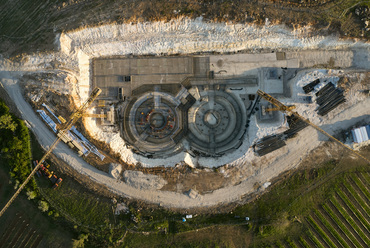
(158,120)
(212,118)
(156,124)
(152,122)
(217,122)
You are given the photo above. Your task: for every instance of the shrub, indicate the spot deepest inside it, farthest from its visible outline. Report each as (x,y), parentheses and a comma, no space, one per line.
(43,206)
(80,242)
(31,195)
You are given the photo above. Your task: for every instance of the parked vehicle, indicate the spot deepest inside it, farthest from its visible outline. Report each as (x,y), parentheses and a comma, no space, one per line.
(56,185)
(53,179)
(38,171)
(43,170)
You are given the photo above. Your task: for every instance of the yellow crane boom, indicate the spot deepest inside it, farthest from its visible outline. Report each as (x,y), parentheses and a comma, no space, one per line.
(74,117)
(278,109)
(95,115)
(288,110)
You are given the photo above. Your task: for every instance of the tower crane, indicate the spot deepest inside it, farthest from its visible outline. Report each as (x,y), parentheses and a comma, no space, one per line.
(288,110)
(73,118)
(277,109)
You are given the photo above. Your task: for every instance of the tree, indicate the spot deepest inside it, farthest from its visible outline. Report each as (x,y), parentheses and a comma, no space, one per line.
(43,206)
(15,145)
(6,122)
(80,242)
(3,107)
(31,195)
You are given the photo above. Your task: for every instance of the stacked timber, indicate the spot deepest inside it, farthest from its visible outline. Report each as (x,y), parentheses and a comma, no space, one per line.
(328,98)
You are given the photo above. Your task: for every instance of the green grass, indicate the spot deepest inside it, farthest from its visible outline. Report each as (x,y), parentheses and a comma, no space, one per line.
(227,236)
(278,244)
(51,229)
(304,242)
(361,186)
(32,25)
(291,242)
(84,208)
(292,195)
(354,210)
(366,178)
(314,239)
(358,198)
(327,189)
(320,231)
(348,218)
(72,200)
(341,225)
(331,229)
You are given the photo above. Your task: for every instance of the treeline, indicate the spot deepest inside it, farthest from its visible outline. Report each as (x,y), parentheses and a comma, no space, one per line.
(15,146)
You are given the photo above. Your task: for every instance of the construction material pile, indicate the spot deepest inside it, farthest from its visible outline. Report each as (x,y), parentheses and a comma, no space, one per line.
(273,142)
(269,144)
(311,86)
(295,125)
(328,98)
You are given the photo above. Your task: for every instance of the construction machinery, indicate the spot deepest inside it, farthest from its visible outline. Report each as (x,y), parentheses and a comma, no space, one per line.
(277,109)
(62,120)
(66,126)
(95,115)
(288,110)
(106,118)
(56,184)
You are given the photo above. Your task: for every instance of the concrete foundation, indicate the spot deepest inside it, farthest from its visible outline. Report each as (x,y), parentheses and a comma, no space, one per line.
(200,104)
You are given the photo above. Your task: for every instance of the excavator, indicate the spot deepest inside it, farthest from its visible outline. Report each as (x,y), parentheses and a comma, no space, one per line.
(289,111)
(66,126)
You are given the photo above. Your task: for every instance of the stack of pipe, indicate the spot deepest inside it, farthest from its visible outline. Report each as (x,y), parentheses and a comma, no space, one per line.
(310,87)
(328,98)
(273,142)
(295,125)
(268,144)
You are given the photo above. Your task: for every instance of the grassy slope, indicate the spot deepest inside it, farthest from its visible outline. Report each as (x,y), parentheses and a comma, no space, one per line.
(220,236)
(275,216)
(52,232)
(72,200)
(32,25)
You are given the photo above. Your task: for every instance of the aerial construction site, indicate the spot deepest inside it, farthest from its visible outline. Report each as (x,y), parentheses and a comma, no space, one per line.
(163,113)
(189,114)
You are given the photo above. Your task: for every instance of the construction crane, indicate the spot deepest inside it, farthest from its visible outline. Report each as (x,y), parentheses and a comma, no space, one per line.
(73,118)
(277,109)
(95,115)
(288,110)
